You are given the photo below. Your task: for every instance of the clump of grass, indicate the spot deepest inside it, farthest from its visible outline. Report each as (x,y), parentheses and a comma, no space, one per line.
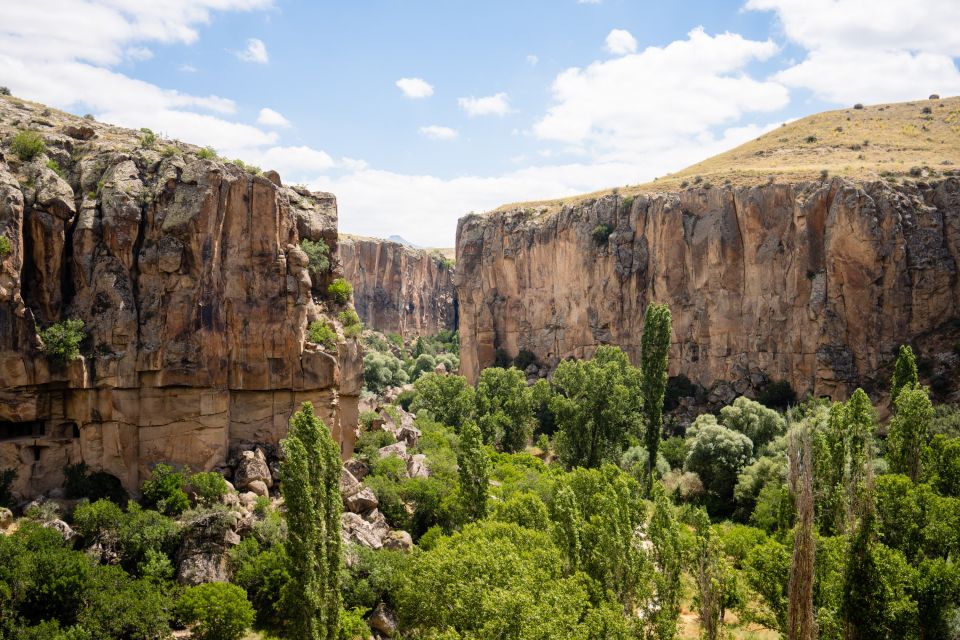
(28,145)
(352,327)
(5,247)
(340,290)
(168,151)
(824,174)
(320,333)
(601,233)
(207,153)
(53,166)
(810,139)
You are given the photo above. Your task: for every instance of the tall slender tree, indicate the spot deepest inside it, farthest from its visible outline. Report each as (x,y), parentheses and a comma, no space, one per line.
(859,421)
(801,625)
(908,430)
(668,554)
(474,470)
(310,484)
(904,372)
(655,347)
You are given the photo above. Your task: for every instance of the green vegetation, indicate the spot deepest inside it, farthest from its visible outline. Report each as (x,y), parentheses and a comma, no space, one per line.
(53,166)
(27,145)
(352,327)
(320,332)
(318,253)
(217,611)
(340,291)
(601,232)
(655,345)
(6,248)
(164,490)
(61,340)
(207,153)
(148,139)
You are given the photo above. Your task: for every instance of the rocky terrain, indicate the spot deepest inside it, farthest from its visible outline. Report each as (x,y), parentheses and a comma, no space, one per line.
(815,283)
(398,288)
(195,297)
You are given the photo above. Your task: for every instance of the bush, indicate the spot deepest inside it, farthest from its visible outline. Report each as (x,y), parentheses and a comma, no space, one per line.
(405,399)
(320,333)
(674,450)
(5,247)
(340,290)
(148,139)
(4,91)
(207,153)
(859,105)
(352,624)
(318,253)
(143,535)
(381,371)
(61,340)
(28,145)
(164,490)
(118,607)
(218,611)
(99,519)
(524,359)
(810,139)
(601,233)
(352,327)
(209,487)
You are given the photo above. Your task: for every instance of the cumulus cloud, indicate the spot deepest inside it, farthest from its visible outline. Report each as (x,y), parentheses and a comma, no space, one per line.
(256,51)
(495,105)
(415,87)
(436,132)
(900,52)
(660,98)
(270,118)
(620,42)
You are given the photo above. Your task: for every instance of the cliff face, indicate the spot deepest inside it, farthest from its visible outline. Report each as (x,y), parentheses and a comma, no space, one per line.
(195,297)
(816,283)
(398,289)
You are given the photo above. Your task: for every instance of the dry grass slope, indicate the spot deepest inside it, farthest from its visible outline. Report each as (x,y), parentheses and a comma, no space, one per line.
(887,141)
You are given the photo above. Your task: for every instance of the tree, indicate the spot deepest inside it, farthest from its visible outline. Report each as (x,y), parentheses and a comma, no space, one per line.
(474,469)
(711,574)
(567,523)
(904,372)
(218,611)
(801,625)
(717,454)
(667,553)
(859,423)
(597,406)
(449,398)
(310,484)
(908,431)
(753,420)
(655,349)
(504,408)
(164,490)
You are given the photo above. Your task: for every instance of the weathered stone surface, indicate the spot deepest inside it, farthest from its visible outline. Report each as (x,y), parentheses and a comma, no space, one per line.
(817,284)
(395,449)
(383,620)
(186,273)
(398,289)
(398,540)
(358,468)
(362,501)
(252,467)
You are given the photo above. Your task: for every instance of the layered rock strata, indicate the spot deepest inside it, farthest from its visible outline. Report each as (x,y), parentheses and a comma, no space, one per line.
(194,294)
(814,283)
(399,289)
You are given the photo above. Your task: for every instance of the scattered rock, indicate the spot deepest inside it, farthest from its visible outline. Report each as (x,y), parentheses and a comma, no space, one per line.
(252,467)
(69,535)
(355,529)
(398,540)
(383,620)
(357,467)
(6,518)
(349,485)
(361,501)
(395,449)
(258,487)
(81,132)
(417,466)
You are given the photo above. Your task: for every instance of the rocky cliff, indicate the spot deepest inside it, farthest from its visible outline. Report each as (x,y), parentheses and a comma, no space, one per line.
(815,283)
(399,289)
(194,294)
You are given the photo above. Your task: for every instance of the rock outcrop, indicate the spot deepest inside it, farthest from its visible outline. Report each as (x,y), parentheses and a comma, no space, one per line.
(194,294)
(399,289)
(814,283)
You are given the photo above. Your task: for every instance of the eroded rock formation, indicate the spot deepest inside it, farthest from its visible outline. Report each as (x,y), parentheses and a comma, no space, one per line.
(194,293)
(398,289)
(816,283)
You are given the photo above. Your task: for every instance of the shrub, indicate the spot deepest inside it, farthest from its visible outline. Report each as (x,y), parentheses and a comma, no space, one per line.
(859,105)
(810,139)
(5,247)
(4,91)
(209,487)
(97,519)
(89,116)
(405,399)
(318,253)
(53,166)
(164,490)
(382,370)
(61,340)
(118,607)
(207,153)
(601,233)
(524,359)
(340,290)
(168,151)
(218,611)
(148,139)
(28,145)
(926,110)
(352,327)
(352,624)
(7,476)
(320,333)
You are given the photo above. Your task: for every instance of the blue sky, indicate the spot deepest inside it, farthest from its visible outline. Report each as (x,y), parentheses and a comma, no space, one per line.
(504,101)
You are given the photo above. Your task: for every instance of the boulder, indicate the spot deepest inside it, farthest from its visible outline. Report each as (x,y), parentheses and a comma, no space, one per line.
(356,529)
(361,501)
(349,485)
(357,467)
(258,487)
(395,449)
(252,467)
(398,541)
(383,620)
(6,518)
(417,466)
(69,535)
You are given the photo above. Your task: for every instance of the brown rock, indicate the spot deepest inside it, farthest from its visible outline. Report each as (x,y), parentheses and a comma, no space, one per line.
(398,541)
(383,620)
(252,467)
(362,501)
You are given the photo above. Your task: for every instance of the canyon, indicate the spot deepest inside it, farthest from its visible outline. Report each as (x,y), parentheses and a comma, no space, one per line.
(398,288)
(195,296)
(813,282)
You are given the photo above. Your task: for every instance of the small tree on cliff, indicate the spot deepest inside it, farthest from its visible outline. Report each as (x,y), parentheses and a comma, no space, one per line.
(655,346)
(904,373)
(309,482)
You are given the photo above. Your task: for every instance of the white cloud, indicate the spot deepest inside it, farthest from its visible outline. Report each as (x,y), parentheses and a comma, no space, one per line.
(188,68)
(436,132)
(660,98)
(137,54)
(532,60)
(620,42)
(293,164)
(589,1)
(256,51)
(495,105)
(270,118)
(870,50)
(415,87)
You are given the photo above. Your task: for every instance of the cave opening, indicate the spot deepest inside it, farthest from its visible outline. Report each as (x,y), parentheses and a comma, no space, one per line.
(17,430)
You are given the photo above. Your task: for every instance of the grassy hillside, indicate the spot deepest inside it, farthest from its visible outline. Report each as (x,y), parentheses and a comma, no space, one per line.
(892,141)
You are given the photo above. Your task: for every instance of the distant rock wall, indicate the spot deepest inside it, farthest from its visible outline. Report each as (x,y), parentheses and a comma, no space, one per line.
(816,284)
(195,295)
(398,289)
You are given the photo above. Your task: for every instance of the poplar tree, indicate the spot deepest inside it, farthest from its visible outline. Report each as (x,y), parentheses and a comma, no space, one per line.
(908,431)
(474,470)
(310,484)
(667,554)
(655,346)
(904,373)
